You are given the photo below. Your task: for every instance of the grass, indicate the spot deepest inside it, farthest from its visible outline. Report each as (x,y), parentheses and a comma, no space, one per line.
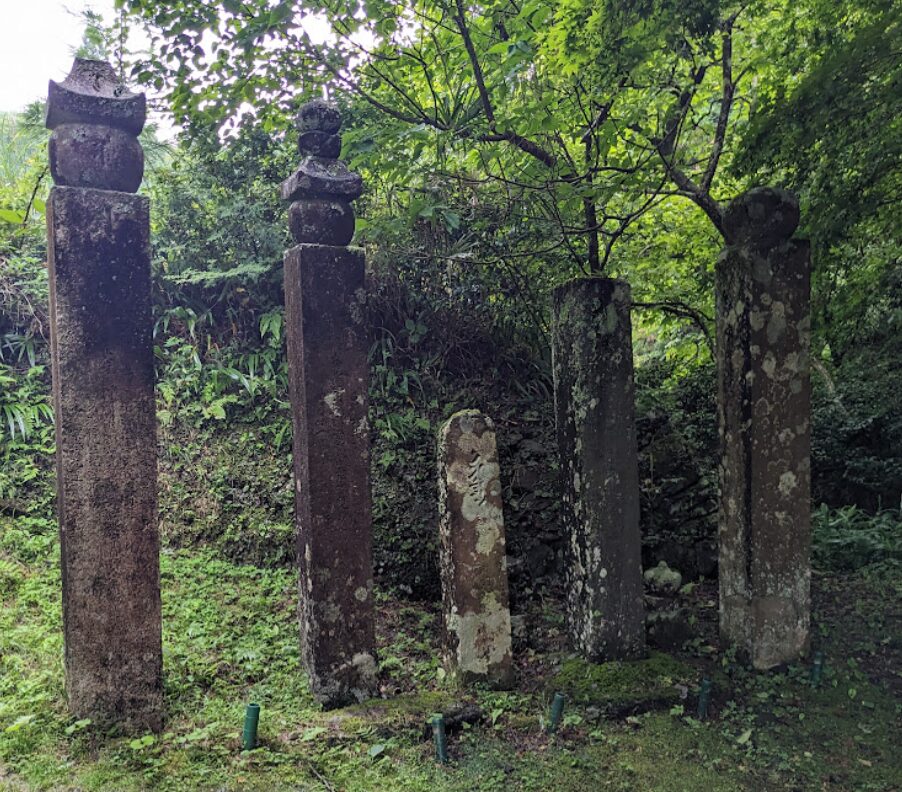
(230,637)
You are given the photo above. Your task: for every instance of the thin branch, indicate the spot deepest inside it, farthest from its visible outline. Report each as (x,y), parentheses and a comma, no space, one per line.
(461,22)
(726,104)
(678,308)
(522,143)
(34,193)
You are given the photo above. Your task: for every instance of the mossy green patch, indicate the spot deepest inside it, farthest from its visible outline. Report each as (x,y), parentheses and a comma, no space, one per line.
(230,636)
(622,687)
(409,710)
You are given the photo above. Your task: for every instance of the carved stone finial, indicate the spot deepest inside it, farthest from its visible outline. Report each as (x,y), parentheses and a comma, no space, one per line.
(761,218)
(322,187)
(92,94)
(96,121)
(320,116)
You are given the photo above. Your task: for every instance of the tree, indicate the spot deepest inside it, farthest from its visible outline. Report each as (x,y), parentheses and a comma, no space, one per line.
(575,106)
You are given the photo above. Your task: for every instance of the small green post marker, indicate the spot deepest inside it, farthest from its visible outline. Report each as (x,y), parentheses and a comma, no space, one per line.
(557,709)
(817,669)
(704,696)
(251,719)
(441,739)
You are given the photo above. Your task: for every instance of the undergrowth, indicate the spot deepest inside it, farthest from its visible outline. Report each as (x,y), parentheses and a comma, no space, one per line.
(230,637)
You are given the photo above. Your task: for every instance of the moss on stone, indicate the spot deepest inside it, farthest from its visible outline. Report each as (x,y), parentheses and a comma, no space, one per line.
(401,710)
(624,686)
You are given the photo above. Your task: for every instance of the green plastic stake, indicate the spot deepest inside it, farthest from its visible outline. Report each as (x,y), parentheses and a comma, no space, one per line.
(557,709)
(251,719)
(817,669)
(704,696)
(441,739)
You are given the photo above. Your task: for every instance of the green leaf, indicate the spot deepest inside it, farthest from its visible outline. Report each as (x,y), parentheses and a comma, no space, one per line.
(376,750)
(11,216)
(19,723)
(312,733)
(140,743)
(78,725)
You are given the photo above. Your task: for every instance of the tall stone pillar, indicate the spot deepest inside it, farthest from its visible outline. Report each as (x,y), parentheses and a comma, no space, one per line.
(594,401)
(476,609)
(103,394)
(763,339)
(328,377)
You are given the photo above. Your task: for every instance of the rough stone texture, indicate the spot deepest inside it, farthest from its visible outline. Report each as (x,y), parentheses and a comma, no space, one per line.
(763,338)
(322,177)
(476,610)
(92,93)
(669,629)
(102,157)
(321,220)
(320,116)
(595,417)
(328,372)
(761,218)
(319,144)
(103,392)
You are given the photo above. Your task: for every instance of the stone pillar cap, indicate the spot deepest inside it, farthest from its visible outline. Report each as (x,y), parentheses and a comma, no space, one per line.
(761,217)
(322,177)
(318,116)
(93,94)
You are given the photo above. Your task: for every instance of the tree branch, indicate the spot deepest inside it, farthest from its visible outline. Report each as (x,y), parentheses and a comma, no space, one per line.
(522,143)
(726,104)
(678,308)
(666,147)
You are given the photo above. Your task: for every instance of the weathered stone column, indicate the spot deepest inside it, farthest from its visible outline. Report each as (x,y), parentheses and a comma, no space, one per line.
(328,376)
(103,393)
(763,328)
(595,414)
(476,608)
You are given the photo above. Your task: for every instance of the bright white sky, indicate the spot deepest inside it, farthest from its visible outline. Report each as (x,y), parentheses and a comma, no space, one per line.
(37,39)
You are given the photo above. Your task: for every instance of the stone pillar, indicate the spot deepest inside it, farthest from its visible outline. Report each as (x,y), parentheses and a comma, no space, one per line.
(103,393)
(595,416)
(763,339)
(476,608)
(328,378)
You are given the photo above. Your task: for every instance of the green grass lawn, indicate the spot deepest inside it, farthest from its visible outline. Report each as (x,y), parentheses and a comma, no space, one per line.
(230,637)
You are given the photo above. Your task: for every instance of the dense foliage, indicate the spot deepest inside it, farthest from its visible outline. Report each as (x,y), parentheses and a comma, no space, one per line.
(505,148)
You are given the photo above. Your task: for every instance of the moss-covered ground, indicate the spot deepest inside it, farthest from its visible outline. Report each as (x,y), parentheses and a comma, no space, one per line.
(230,638)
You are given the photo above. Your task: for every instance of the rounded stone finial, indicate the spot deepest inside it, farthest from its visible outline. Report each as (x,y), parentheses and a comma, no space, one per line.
(98,157)
(318,116)
(763,217)
(319,144)
(96,121)
(322,187)
(324,221)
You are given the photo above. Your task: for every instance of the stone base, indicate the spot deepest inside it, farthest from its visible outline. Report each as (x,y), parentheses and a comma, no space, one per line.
(103,392)
(768,631)
(328,377)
